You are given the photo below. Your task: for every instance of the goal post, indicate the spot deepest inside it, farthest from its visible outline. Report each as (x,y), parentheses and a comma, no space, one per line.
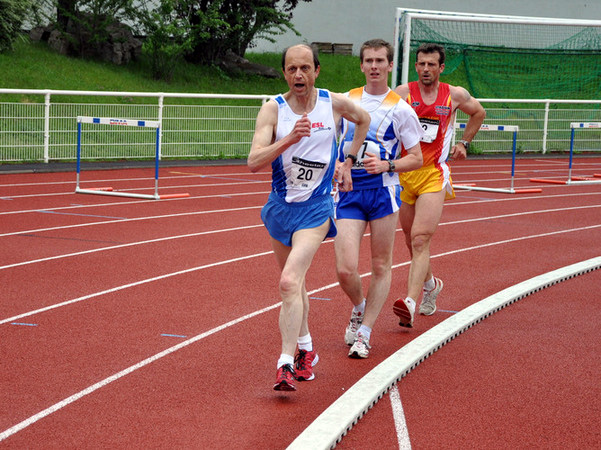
(151,124)
(497,56)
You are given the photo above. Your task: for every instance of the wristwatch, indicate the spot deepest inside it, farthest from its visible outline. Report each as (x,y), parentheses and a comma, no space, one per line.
(391,165)
(353,158)
(466,144)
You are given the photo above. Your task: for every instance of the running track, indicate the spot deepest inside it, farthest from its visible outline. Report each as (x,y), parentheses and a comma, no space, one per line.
(128,323)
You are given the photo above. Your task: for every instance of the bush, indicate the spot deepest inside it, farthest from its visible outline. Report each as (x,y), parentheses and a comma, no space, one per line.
(12,17)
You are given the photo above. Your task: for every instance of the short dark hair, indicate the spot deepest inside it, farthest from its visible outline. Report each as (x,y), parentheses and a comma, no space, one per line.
(430,47)
(377,44)
(313,50)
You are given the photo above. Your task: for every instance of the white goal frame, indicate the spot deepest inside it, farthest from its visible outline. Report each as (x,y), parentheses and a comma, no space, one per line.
(408,15)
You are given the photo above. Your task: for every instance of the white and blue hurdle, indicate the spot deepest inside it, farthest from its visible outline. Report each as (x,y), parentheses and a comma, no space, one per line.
(574,180)
(129,123)
(509,128)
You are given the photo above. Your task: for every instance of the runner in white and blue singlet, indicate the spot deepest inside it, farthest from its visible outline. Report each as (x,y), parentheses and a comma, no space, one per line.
(375,198)
(295,133)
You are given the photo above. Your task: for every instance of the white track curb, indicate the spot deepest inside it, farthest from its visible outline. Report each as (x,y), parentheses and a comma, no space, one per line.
(329,428)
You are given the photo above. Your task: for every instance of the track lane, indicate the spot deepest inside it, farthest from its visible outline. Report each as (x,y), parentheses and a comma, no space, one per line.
(335,308)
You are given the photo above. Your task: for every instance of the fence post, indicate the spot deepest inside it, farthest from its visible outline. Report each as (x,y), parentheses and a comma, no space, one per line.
(47,127)
(545,127)
(160,134)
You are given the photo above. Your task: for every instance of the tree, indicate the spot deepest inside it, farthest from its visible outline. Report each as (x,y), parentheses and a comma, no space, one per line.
(167,36)
(12,16)
(221,25)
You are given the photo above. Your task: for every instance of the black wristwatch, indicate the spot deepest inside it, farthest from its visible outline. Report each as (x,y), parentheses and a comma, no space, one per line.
(391,165)
(351,157)
(466,144)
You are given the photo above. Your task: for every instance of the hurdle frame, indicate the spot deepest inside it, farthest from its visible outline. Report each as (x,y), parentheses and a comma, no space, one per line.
(574,180)
(130,123)
(511,190)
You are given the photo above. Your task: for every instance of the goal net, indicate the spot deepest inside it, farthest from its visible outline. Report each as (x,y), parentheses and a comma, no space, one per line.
(505,56)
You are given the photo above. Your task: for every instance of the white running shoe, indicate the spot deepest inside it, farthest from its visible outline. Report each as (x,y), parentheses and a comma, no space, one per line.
(360,348)
(405,309)
(428,304)
(353,326)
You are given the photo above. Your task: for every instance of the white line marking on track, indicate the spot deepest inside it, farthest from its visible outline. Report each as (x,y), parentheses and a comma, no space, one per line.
(46,412)
(131,244)
(399,419)
(20,426)
(130,285)
(150,241)
(164,216)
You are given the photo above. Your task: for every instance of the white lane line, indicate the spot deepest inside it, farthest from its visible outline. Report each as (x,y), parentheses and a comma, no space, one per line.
(130,285)
(150,241)
(57,406)
(131,244)
(134,219)
(18,427)
(399,419)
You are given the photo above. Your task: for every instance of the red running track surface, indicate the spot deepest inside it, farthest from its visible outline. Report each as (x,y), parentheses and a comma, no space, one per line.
(141,323)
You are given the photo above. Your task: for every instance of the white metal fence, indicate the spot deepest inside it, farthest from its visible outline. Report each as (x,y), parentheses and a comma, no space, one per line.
(40,125)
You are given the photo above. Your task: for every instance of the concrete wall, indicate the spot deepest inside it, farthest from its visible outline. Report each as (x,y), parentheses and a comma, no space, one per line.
(355,21)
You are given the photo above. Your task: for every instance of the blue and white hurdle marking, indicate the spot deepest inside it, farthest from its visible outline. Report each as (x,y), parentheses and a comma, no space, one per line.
(574,180)
(510,128)
(128,123)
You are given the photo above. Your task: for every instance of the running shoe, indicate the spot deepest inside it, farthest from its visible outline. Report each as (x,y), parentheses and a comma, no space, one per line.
(405,309)
(360,348)
(353,325)
(428,304)
(303,365)
(285,379)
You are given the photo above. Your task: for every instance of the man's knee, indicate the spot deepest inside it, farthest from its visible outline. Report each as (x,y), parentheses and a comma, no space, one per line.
(346,272)
(290,285)
(421,241)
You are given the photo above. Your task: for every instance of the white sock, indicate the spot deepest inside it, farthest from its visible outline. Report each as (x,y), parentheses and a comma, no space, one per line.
(360,308)
(305,342)
(285,359)
(365,331)
(430,284)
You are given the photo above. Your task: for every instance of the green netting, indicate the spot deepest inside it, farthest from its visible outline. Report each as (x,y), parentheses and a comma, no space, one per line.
(506,60)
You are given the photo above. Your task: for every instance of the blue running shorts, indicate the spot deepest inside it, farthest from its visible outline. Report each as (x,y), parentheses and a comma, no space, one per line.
(283,219)
(368,204)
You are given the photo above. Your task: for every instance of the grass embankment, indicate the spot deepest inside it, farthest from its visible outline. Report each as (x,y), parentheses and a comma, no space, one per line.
(35,66)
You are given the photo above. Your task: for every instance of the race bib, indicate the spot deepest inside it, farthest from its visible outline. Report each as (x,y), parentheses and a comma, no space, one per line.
(368,146)
(430,127)
(305,174)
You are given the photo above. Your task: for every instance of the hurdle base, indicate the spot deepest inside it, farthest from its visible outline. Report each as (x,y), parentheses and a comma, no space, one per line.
(574,180)
(109,191)
(499,190)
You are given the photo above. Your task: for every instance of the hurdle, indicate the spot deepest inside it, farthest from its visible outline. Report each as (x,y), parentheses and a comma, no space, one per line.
(128,123)
(510,128)
(574,180)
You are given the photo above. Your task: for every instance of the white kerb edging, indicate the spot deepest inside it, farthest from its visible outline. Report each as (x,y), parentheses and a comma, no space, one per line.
(329,428)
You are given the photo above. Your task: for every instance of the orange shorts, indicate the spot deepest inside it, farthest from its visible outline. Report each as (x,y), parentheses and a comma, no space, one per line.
(424,180)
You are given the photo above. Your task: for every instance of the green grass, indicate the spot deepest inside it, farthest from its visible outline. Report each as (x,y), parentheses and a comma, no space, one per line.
(35,66)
